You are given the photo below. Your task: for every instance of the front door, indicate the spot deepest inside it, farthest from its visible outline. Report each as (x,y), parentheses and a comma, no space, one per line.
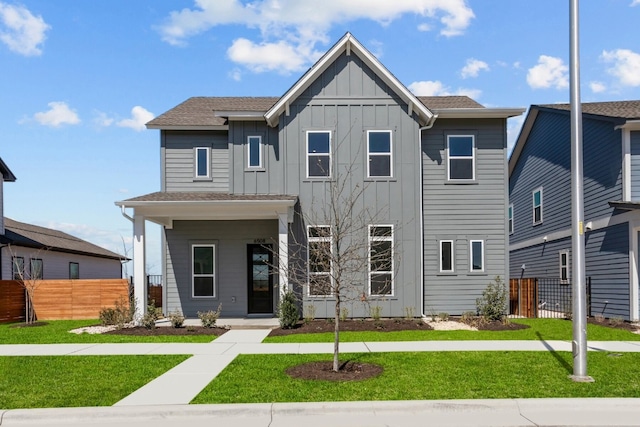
(259,259)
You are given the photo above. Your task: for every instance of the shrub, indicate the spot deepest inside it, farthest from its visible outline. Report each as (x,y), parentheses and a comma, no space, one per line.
(209,318)
(375,311)
(119,315)
(443,316)
(468,318)
(493,303)
(288,311)
(409,313)
(309,313)
(176,318)
(153,313)
(344,314)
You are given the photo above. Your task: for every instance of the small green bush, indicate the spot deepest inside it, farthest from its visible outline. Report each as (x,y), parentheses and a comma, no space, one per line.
(119,315)
(209,318)
(309,313)
(344,314)
(375,312)
(468,318)
(493,303)
(176,318)
(153,313)
(409,313)
(443,316)
(288,311)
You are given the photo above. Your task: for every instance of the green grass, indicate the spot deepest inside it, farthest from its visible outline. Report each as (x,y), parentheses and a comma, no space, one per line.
(539,329)
(57,332)
(438,375)
(48,381)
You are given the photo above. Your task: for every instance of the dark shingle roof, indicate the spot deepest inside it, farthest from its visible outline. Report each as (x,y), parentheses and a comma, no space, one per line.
(6,173)
(21,234)
(200,111)
(196,196)
(622,109)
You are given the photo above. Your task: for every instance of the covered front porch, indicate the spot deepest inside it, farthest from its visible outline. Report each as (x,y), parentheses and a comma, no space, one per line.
(216,249)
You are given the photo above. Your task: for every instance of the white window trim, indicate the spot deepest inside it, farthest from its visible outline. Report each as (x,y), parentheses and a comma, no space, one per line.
(453,265)
(195,162)
(389,154)
(330,154)
(511,224)
(310,239)
(567,266)
(393,267)
(472,157)
(471,269)
(533,206)
(213,275)
(260,152)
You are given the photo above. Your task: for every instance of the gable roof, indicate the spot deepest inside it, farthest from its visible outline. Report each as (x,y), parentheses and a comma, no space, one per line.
(349,44)
(33,236)
(7,175)
(622,110)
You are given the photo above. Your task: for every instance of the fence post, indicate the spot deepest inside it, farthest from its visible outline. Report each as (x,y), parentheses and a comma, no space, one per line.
(520,297)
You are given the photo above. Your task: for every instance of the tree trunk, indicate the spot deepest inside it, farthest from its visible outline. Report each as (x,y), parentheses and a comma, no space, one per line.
(336,335)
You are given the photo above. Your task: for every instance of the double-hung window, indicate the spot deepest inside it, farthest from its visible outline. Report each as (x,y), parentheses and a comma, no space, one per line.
(446,256)
(379,156)
(537,206)
(201,162)
(510,218)
(380,260)
(320,255)
(318,154)
(35,268)
(203,259)
(17,268)
(461,157)
(254,152)
(476,258)
(564,267)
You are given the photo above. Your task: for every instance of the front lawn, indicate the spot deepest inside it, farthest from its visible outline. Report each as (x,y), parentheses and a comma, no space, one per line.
(57,332)
(429,375)
(539,329)
(51,382)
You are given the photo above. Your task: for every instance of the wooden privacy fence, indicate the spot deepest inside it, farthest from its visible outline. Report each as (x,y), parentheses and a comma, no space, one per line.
(523,297)
(72,299)
(548,297)
(12,301)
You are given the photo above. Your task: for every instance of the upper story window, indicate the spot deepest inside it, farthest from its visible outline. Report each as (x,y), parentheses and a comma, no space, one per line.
(254,152)
(381,260)
(17,267)
(203,258)
(320,255)
(477,255)
(537,206)
(510,218)
(461,158)
(446,256)
(201,162)
(36,268)
(379,157)
(318,154)
(74,270)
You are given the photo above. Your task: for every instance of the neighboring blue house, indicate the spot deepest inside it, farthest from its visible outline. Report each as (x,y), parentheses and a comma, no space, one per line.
(244,181)
(539,214)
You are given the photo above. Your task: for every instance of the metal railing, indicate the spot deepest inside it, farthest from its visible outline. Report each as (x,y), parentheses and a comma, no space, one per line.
(544,297)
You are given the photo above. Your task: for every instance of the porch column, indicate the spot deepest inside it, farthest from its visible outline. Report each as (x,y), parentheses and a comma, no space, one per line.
(139,263)
(283,253)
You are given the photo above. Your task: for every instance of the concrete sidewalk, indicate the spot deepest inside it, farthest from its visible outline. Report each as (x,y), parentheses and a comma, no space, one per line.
(498,412)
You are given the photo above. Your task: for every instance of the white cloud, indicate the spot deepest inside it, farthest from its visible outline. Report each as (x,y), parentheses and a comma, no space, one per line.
(58,114)
(436,88)
(597,87)
(424,27)
(635,3)
(102,119)
(473,67)
(139,117)
(100,237)
(294,27)
(21,31)
(550,72)
(626,66)
(235,74)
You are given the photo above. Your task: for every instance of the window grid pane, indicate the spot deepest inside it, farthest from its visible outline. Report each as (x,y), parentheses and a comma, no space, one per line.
(203,261)
(446,255)
(477,255)
(461,157)
(537,206)
(318,154)
(379,154)
(202,162)
(319,261)
(380,260)
(255,160)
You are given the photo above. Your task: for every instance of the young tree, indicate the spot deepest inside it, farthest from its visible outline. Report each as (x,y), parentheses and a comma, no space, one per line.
(30,278)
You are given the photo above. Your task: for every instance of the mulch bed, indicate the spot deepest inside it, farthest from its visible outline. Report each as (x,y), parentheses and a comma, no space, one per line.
(323,371)
(382,325)
(617,324)
(165,330)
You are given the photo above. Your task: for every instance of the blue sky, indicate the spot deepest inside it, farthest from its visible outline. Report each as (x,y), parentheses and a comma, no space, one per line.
(80,78)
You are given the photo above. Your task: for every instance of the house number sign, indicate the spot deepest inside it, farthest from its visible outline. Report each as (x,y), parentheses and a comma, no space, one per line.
(259,241)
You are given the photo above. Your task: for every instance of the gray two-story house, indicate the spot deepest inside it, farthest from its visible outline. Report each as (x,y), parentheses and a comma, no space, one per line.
(539,215)
(247,182)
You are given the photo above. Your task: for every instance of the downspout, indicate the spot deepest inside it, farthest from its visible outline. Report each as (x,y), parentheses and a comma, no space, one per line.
(428,126)
(124,213)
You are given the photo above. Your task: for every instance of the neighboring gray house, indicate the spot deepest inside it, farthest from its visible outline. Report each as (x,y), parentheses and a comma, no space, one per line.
(27,250)
(242,180)
(540,195)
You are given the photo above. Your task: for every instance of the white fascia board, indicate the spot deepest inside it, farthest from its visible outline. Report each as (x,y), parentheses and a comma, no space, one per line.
(522,138)
(241,115)
(630,125)
(479,113)
(188,127)
(352,45)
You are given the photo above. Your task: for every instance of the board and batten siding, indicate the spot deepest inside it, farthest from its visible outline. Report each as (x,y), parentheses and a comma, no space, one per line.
(462,212)
(178,160)
(635,166)
(231,282)
(348,99)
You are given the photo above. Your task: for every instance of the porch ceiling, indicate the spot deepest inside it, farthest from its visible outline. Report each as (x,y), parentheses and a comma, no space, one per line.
(165,207)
